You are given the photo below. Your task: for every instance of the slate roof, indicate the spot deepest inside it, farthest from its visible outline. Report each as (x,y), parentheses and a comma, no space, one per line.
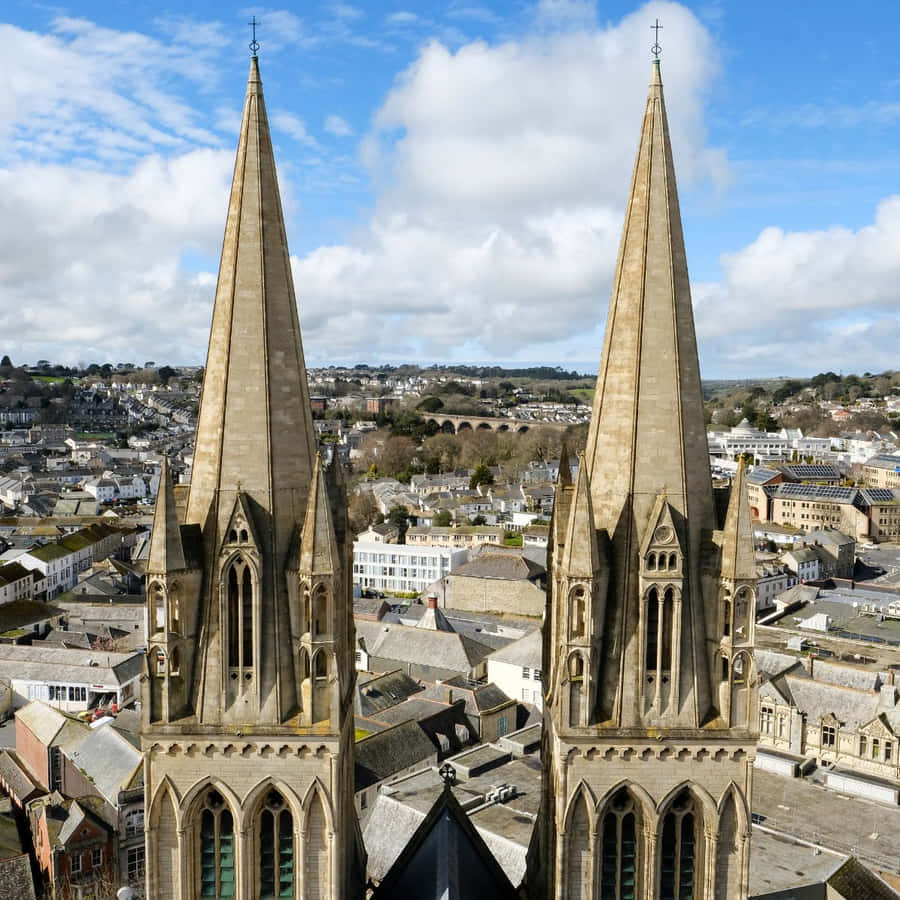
(48,724)
(36,663)
(507,566)
(526,651)
(382,691)
(884,461)
(17,778)
(108,759)
(853,881)
(11,572)
(423,646)
(388,752)
(25,613)
(761,475)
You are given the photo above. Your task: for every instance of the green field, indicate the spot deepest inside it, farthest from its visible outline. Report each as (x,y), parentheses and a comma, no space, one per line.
(95,436)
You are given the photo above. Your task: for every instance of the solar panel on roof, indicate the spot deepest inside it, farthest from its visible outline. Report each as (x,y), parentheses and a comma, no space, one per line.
(823,491)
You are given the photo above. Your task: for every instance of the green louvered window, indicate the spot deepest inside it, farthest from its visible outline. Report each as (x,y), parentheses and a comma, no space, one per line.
(678,850)
(216,848)
(618,855)
(276,849)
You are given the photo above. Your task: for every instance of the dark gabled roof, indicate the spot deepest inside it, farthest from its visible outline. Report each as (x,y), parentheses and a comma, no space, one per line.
(389,752)
(762,475)
(384,691)
(884,461)
(853,881)
(424,869)
(505,566)
(25,613)
(11,572)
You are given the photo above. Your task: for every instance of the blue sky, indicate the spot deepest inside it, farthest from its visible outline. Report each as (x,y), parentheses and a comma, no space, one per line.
(453,175)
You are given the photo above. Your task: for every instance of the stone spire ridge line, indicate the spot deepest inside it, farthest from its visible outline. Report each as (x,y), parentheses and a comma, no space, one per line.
(318,546)
(648,384)
(738,559)
(255,401)
(166,550)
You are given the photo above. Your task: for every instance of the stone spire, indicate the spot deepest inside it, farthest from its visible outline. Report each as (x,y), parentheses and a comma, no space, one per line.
(318,548)
(647,430)
(255,430)
(166,550)
(580,555)
(647,437)
(738,559)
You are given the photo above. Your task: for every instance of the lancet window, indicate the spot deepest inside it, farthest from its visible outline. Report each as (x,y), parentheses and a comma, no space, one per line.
(216,829)
(618,853)
(678,850)
(276,849)
(576,612)
(239,591)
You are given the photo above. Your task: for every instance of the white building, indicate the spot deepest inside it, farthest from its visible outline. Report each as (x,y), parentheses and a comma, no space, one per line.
(744,438)
(70,680)
(16,583)
(401,567)
(516,669)
(56,564)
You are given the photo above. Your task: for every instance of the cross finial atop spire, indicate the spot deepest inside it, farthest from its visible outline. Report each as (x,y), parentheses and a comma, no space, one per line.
(254,43)
(656,49)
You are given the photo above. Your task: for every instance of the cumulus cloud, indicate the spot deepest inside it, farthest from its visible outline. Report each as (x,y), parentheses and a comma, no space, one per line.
(833,292)
(502,172)
(91,261)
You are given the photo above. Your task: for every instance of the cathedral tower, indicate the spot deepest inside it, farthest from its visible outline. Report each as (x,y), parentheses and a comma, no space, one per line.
(247,717)
(649,711)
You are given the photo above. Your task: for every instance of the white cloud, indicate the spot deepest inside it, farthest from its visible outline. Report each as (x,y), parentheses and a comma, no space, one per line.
(501,174)
(338,126)
(295,127)
(71,289)
(832,293)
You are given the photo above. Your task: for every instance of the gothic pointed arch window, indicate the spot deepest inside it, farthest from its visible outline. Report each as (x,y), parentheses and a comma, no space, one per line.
(239,591)
(158,606)
(215,834)
(726,616)
(651,631)
(320,666)
(577,612)
(668,616)
(619,830)
(679,865)
(651,562)
(743,612)
(277,850)
(741,669)
(576,689)
(319,612)
(175,608)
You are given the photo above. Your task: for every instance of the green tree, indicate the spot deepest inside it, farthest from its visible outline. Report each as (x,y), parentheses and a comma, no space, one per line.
(479,520)
(398,516)
(5,363)
(481,475)
(431,404)
(442,518)
(165,373)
